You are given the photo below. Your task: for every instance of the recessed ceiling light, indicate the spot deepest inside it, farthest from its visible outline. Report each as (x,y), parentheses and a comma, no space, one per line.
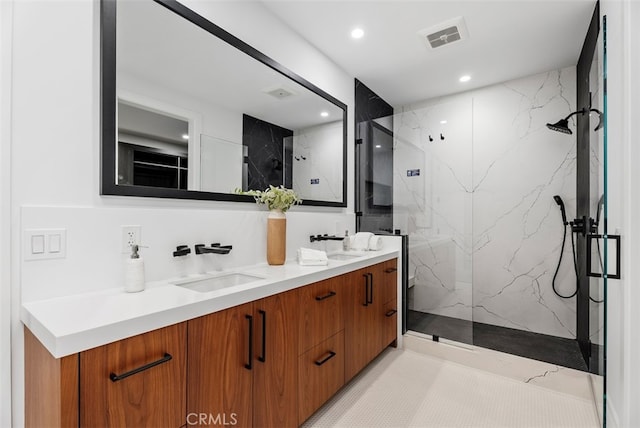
(443,122)
(357,33)
(185,136)
(465,78)
(324,114)
(378,146)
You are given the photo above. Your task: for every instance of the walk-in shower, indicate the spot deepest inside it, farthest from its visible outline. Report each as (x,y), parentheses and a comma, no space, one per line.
(489,263)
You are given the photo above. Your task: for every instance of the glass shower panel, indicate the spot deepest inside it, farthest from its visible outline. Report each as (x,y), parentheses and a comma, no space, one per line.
(432,203)
(597,200)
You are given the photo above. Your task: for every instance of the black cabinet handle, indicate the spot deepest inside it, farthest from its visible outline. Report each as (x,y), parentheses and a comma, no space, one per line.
(390,270)
(325,359)
(114,377)
(371,288)
(248,366)
(263,357)
(326,296)
(390,313)
(366,289)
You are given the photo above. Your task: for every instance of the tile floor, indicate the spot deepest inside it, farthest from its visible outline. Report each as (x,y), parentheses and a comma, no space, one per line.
(541,347)
(404,388)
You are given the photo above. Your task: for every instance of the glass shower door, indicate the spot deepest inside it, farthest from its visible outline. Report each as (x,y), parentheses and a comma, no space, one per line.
(433,187)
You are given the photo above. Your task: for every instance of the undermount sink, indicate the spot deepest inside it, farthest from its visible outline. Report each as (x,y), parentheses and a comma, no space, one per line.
(343,256)
(218,282)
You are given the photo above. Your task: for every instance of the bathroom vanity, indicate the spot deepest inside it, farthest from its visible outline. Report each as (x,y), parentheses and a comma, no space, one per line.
(265,353)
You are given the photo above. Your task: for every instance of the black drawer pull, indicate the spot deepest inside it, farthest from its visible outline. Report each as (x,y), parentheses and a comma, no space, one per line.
(370,301)
(366,289)
(248,366)
(326,296)
(114,377)
(325,359)
(262,358)
(390,313)
(390,270)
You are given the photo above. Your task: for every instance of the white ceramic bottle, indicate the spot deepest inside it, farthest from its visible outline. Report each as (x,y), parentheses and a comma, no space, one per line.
(346,242)
(134,272)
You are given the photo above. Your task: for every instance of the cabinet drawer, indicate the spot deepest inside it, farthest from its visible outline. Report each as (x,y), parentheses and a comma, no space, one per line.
(390,323)
(321,314)
(139,381)
(321,374)
(389,281)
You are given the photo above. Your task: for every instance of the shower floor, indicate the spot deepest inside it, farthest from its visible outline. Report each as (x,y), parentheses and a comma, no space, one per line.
(541,347)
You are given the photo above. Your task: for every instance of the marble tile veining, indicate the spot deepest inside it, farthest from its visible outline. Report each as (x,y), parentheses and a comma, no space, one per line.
(487,190)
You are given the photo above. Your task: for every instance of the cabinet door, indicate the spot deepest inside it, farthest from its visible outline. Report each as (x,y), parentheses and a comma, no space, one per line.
(320,312)
(135,382)
(360,317)
(321,374)
(275,377)
(219,371)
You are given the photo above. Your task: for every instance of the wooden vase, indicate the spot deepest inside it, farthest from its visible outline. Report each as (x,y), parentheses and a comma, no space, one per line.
(276,237)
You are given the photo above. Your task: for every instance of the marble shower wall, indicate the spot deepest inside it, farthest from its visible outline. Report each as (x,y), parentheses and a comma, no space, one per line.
(317,171)
(433,204)
(488,189)
(269,156)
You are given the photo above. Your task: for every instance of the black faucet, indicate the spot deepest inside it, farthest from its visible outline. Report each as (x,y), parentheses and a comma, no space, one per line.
(181,250)
(325,237)
(213,249)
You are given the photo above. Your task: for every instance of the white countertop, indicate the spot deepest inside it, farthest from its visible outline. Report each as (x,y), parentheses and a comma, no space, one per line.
(71,324)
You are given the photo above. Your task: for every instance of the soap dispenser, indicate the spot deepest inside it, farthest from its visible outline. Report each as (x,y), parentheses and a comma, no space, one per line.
(346,242)
(134,272)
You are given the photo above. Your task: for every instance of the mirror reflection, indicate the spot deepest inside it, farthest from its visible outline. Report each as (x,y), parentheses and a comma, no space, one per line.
(196,113)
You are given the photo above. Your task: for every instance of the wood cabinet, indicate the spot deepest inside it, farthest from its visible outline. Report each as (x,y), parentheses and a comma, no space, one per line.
(275,377)
(243,364)
(321,374)
(369,316)
(268,363)
(219,371)
(321,312)
(51,386)
(321,340)
(389,292)
(139,381)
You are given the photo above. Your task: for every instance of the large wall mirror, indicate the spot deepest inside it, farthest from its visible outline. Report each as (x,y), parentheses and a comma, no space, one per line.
(189,111)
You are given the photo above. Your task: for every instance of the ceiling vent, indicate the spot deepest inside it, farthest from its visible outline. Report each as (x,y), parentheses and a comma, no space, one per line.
(445,33)
(279,92)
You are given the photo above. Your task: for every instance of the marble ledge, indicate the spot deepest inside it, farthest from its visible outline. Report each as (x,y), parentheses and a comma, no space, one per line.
(71,324)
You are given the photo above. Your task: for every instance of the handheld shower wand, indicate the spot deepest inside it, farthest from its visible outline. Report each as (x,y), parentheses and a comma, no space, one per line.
(560,203)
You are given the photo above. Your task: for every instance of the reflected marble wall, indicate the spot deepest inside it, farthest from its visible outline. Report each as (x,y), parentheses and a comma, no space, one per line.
(489,187)
(317,160)
(269,160)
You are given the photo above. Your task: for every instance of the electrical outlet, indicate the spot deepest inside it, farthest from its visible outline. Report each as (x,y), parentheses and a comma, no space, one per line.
(130,236)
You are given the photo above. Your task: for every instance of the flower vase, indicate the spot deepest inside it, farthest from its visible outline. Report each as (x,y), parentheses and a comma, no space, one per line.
(276,237)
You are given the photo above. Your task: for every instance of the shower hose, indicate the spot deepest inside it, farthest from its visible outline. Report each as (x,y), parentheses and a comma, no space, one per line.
(575,266)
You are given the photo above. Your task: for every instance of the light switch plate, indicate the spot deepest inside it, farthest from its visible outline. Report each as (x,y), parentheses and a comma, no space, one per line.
(42,244)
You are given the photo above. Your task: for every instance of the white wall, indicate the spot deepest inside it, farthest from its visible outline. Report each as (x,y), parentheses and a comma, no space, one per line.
(55,160)
(6,9)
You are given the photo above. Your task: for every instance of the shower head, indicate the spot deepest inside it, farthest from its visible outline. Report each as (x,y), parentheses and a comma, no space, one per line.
(560,126)
(563,124)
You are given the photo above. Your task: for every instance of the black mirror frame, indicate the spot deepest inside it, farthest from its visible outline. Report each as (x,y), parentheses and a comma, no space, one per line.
(108,184)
